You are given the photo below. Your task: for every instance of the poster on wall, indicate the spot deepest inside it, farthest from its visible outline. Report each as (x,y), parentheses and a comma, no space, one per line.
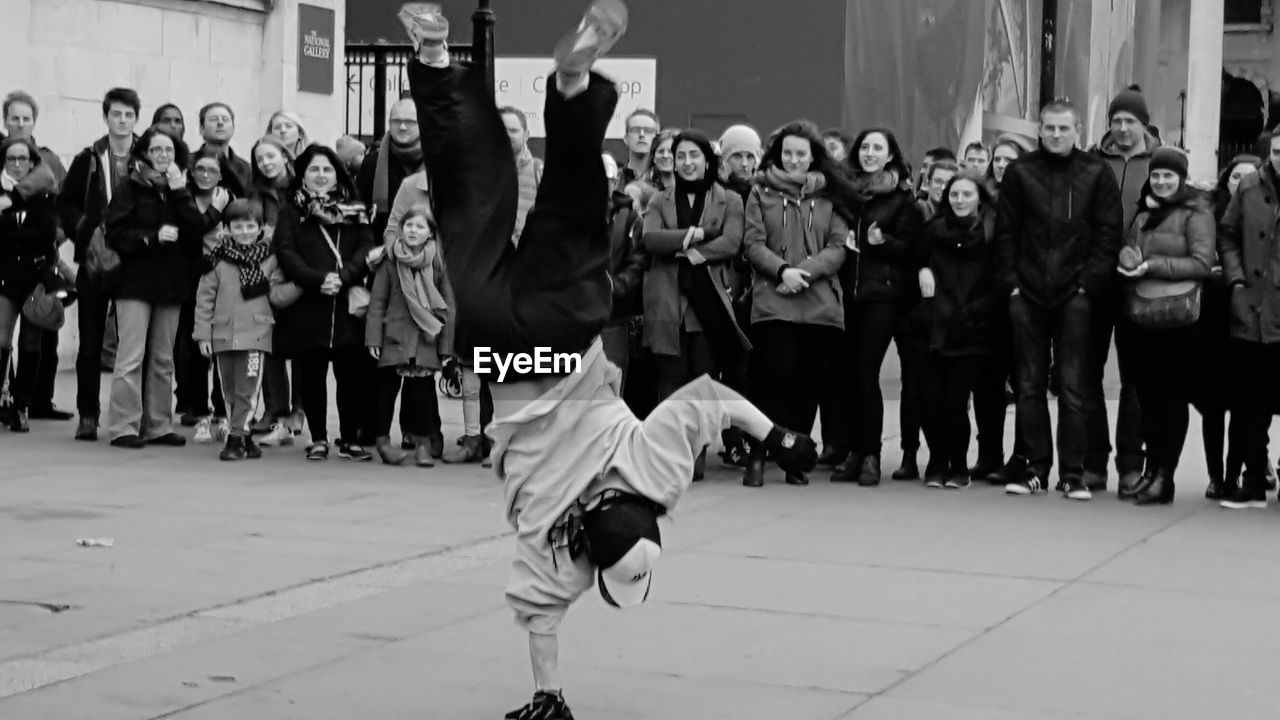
(521,82)
(315,49)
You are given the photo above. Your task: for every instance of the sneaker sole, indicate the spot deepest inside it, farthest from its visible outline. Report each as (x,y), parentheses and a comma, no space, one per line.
(610,19)
(1078,496)
(1251,505)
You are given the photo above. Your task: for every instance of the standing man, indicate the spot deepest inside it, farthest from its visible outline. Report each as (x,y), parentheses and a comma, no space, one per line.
(1058,234)
(1127,149)
(90,185)
(218,127)
(528,167)
(399,156)
(977,157)
(642,128)
(37,367)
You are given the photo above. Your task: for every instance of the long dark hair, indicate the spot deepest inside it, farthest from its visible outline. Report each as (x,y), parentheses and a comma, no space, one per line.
(822,162)
(36,159)
(699,138)
(1221,193)
(181,155)
(1019,151)
(344,185)
(986,201)
(897,162)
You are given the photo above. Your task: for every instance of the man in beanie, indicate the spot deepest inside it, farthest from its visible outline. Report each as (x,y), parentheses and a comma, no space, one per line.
(1058,236)
(741,149)
(1127,148)
(566,446)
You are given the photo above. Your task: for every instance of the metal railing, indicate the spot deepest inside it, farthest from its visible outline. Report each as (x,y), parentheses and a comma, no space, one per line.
(376,78)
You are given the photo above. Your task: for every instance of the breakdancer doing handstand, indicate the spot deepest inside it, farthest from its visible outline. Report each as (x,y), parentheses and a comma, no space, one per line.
(585,480)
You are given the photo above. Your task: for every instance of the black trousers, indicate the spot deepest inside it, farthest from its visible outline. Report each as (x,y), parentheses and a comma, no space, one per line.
(94,304)
(354,385)
(1063,331)
(1256,393)
(790,364)
(945,386)
(1164,362)
(37,365)
(834,407)
(418,398)
(695,360)
(912,401)
(553,291)
(191,371)
(990,406)
(1128,438)
(869,328)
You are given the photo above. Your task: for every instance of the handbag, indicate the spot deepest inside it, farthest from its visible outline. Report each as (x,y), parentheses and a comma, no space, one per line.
(100,260)
(1160,304)
(358,296)
(44,310)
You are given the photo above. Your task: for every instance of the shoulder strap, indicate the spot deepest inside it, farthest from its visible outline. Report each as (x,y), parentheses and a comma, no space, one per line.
(333,245)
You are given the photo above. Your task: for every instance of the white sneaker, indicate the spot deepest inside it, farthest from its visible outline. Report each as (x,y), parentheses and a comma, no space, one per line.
(295,421)
(222,430)
(278,437)
(204,431)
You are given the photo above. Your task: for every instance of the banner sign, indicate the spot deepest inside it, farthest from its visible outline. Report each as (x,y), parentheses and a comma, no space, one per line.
(315,49)
(521,82)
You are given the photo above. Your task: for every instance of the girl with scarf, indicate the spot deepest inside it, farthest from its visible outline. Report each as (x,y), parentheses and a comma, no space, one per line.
(950,332)
(272,175)
(234,318)
(28,242)
(1171,240)
(154,225)
(879,285)
(692,231)
(409,332)
(323,243)
(286,126)
(795,243)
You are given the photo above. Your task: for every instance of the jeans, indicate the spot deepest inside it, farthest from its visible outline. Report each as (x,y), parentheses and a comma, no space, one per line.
(945,385)
(142,384)
(94,304)
(1128,446)
(1255,392)
(869,327)
(1065,331)
(1164,360)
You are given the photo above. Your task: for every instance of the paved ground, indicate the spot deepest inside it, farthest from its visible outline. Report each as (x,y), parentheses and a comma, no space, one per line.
(284,590)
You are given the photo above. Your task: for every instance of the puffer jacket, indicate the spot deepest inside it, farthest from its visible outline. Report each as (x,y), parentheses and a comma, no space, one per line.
(1247,242)
(1181,247)
(1131,173)
(159,273)
(1058,227)
(775,239)
(961,318)
(225,319)
(882,272)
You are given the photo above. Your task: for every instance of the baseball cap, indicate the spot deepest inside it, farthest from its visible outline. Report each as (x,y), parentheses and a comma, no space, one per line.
(624,542)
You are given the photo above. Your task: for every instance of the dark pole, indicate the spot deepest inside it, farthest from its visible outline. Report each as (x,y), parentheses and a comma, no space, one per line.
(1048,51)
(482,23)
(380,60)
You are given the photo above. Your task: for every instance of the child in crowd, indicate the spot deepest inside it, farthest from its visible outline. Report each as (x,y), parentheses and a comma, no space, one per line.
(234,317)
(409,331)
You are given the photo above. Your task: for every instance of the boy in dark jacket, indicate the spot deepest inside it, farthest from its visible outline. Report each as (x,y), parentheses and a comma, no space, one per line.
(1058,234)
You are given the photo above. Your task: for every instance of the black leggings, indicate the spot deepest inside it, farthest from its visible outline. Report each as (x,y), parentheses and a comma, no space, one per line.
(553,291)
(945,385)
(418,402)
(350,376)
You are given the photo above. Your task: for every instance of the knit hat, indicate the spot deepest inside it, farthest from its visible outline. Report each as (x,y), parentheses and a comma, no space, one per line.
(1167,158)
(1131,101)
(741,138)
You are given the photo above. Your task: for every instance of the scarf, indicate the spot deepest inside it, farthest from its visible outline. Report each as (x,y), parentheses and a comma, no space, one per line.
(1159,209)
(868,185)
(330,209)
(152,177)
(7,183)
(795,188)
(416,268)
(248,259)
(410,159)
(688,215)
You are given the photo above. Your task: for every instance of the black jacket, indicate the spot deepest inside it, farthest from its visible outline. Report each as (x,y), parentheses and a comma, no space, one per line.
(157,272)
(28,242)
(961,317)
(365,181)
(883,272)
(318,322)
(1059,227)
(627,261)
(237,173)
(82,202)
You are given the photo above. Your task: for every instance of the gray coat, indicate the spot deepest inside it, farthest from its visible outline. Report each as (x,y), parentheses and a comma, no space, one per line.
(1247,242)
(391,328)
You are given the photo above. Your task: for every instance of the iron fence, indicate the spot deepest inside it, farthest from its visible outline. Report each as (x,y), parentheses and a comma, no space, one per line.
(376,78)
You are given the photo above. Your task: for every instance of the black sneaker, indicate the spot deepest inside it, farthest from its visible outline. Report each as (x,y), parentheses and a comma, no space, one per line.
(1012,472)
(1247,498)
(351,451)
(318,452)
(131,442)
(1030,484)
(168,440)
(50,413)
(545,706)
(1075,489)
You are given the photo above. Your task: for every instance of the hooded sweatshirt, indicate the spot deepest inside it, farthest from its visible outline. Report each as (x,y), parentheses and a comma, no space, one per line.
(1131,174)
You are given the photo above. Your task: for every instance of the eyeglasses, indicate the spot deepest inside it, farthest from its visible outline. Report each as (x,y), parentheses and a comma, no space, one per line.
(407,123)
(207,171)
(20,160)
(160,151)
(642,131)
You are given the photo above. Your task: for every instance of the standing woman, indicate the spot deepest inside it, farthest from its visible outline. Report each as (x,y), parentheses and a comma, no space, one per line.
(28,247)
(286,127)
(661,175)
(1006,150)
(154,225)
(879,284)
(950,333)
(795,243)
(1168,255)
(690,230)
(323,242)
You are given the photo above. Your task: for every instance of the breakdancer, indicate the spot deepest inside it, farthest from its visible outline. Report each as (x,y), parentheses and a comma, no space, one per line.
(585,480)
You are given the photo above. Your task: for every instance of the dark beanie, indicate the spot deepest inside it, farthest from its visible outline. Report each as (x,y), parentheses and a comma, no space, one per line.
(1130,100)
(1167,158)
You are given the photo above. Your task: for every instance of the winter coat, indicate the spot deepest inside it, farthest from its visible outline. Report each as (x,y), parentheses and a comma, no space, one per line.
(775,239)
(1181,247)
(391,328)
(1131,174)
(237,173)
(159,273)
(882,272)
(962,316)
(1247,242)
(1058,227)
(666,310)
(28,244)
(366,179)
(627,262)
(224,318)
(319,322)
(86,194)
(271,199)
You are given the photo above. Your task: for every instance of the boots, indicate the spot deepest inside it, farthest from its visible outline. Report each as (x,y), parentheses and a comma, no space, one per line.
(422,453)
(869,473)
(832,456)
(470,449)
(1219,489)
(754,474)
(251,449)
(390,455)
(17,420)
(234,449)
(1129,482)
(988,462)
(435,444)
(909,470)
(1144,483)
(1159,492)
(849,470)
(87,429)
